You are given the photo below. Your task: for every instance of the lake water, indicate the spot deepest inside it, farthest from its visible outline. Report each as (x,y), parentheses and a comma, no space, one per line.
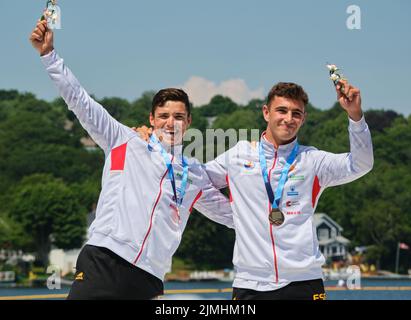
(398,290)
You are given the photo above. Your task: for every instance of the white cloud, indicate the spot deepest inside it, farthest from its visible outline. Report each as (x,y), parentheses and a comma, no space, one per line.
(201,90)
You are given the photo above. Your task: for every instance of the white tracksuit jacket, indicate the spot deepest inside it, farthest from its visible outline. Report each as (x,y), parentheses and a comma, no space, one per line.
(267,257)
(133,217)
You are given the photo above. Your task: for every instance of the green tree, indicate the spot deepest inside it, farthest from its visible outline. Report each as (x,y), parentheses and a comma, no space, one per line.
(206,244)
(199,121)
(49,213)
(11,233)
(32,143)
(218,105)
(140,111)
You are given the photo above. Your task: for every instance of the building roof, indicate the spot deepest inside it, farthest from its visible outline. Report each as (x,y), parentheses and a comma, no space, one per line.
(320,218)
(337,239)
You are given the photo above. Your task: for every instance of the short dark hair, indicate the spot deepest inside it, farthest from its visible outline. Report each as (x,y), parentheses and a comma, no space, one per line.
(287,90)
(170,94)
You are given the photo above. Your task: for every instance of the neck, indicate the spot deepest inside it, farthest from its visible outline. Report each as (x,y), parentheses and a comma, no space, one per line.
(276,141)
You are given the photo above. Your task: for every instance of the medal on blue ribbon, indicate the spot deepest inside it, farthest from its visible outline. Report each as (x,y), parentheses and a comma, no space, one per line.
(182,190)
(276,217)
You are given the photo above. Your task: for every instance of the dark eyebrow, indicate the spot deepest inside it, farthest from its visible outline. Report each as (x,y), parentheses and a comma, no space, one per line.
(286,108)
(298,110)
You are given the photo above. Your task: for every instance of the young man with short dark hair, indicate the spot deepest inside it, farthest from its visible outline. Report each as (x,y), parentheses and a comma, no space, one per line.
(148,190)
(275,185)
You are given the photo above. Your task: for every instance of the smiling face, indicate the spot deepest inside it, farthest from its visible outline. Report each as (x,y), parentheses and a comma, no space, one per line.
(284,116)
(170,121)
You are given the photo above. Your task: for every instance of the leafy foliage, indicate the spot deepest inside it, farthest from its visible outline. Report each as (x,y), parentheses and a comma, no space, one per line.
(49,181)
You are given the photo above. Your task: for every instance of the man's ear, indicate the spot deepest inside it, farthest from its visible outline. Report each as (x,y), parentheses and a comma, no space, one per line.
(266,113)
(151,119)
(305,117)
(189,120)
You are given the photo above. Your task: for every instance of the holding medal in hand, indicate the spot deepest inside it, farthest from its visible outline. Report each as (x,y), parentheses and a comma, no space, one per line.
(279,258)
(42,38)
(348,96)
(140,216)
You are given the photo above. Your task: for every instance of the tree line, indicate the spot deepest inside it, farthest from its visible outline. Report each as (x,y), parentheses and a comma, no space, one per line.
(50,182)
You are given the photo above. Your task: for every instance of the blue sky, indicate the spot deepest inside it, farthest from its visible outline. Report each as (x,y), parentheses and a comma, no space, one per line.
(235,47)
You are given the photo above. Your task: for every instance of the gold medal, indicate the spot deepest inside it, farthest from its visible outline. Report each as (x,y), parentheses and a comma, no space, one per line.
(276,217)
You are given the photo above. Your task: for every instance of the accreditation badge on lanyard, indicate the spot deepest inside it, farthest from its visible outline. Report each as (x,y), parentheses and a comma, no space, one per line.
(178,200)
(276,217)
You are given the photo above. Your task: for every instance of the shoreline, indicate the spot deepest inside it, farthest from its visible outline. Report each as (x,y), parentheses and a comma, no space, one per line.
(67,283)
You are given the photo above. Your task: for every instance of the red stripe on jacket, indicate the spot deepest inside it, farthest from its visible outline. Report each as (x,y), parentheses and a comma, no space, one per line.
(152,214)
(316,190)
(271,226)
(228,185)
(118,157)
(195,200)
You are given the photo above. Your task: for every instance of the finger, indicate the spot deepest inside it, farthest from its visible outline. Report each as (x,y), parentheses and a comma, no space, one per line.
(41,27)
(49,35)
(338,88)
(38,32)
(343,85)
(344,101)
(352,92)
(46,25)
(348,92)
(344,82)
(355,92)
(35,36)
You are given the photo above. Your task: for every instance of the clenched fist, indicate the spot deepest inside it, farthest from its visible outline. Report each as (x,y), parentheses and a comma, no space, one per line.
(350,99)
(42,38)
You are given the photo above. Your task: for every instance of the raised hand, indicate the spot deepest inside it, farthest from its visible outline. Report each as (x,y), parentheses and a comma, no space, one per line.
(42,38)
(349,98)
(144,132)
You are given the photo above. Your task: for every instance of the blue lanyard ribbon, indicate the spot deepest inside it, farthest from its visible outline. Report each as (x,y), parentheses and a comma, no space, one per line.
(275,199)
(170,170)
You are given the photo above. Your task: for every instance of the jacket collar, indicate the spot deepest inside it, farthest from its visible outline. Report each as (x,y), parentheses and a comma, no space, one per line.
(270,149)
(175,150)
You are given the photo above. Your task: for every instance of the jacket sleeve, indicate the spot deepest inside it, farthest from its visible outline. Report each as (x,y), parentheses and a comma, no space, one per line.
(100,125)
(336,169)
(214,205)
(217,169)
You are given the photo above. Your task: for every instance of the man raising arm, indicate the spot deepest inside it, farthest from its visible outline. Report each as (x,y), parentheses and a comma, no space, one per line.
(275,186)
(148,190)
